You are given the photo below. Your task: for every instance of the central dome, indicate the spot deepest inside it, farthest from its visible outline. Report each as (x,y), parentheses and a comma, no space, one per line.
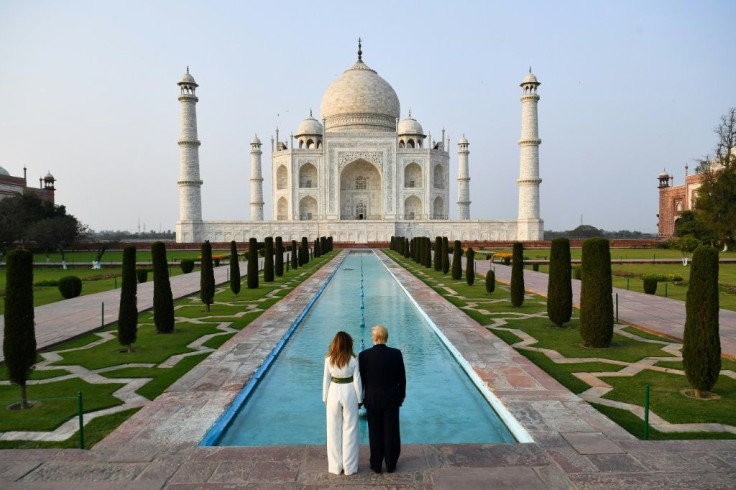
(360,99)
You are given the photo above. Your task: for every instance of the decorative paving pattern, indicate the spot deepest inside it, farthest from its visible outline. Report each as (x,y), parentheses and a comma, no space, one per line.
(598,387)
(127,393)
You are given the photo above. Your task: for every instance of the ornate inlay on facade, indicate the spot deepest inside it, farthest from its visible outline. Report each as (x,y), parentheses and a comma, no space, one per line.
(346,157)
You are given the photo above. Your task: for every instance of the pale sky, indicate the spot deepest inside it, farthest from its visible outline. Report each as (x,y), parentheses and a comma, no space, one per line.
(629,88)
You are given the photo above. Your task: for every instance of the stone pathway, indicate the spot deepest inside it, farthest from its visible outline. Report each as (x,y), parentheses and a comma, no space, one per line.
(598,387)
(574,445)
(127,392)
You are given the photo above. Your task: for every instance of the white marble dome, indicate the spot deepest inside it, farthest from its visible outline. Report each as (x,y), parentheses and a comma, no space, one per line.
(188,79)
(530,78)
(4,172)
(409,125)
(360,99)
(309,126)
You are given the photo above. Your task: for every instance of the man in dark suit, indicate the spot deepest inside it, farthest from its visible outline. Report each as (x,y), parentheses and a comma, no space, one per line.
(384,383)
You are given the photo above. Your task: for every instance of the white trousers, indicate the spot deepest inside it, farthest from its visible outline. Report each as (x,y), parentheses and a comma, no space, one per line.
(343,436)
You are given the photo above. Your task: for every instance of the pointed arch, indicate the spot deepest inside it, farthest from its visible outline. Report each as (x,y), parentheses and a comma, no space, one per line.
(412,208)
(308,176)
(282,209)
(282,177)
(307,208)
(413,176)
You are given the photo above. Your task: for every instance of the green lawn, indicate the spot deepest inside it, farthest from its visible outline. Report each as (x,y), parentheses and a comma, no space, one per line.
(58,398)
(496,312)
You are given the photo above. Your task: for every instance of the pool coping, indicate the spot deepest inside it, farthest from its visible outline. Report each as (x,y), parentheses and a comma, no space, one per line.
(574,445)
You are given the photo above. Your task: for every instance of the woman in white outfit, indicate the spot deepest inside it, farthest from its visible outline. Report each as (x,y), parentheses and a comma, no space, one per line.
(342,392)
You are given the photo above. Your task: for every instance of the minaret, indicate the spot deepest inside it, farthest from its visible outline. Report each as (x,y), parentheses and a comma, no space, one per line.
(256,181)
(463,180)
(188,228)
(529,225)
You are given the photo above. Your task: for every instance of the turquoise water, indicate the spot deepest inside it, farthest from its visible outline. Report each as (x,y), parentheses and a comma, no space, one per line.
(442,404)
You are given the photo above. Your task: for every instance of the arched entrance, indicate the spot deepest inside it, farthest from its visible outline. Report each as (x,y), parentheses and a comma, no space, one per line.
(361,191)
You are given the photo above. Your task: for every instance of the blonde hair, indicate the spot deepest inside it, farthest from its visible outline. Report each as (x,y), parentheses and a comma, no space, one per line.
(341,349)
(380,334)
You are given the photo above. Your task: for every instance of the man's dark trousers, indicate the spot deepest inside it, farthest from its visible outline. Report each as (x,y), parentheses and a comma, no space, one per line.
(385,438)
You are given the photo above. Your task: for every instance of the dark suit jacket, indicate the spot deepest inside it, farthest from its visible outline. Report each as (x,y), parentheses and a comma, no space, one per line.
(383,376)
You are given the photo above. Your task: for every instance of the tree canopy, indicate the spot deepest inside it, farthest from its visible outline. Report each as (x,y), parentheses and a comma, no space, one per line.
(716,199)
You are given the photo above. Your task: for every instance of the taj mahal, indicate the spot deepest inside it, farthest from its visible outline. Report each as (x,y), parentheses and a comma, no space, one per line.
(360,174)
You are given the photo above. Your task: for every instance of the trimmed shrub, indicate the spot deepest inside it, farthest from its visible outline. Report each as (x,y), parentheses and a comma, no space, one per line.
(187,265)
(470,266)
(294,255)
(70,286)
(304,252)
(278,263)
(559,283)
(701,347)
(577,273)
(517,275)
(457,265)
(234,268)
(163,301)
(19,342)
(445,255)
(252,263)
(490,281)
(650,285)
(438,253)
(207,277)
(141,274)
(507,261)
(128,312)
(535,267)
(596,301)
(268,260)
(427,253)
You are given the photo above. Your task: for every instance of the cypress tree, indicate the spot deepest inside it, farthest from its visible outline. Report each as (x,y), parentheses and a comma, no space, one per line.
(393,243)
(252,263)
(517,275)
(559,285)
(470,267)
(701,347)
(316,248)
(438,253)
(457,265)
(305,247)
(294,255)
(279,258)
(234,268)
(19,343)
(445,255)
(207,277)
(128,312)
(490,281)
(427,253)
(163,301)
(268,260)
(596,302)
(323,245)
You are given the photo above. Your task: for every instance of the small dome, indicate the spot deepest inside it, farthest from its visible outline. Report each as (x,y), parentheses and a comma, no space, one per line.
(49,177)
(664,175)
(187,79)
(410,125)
(4,172)
(530,78)
(255,141)
(463,141)
(309,126)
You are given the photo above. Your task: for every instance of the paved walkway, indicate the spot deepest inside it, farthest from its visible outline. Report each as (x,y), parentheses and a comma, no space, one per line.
(652,313)
(71,318)
(574,445)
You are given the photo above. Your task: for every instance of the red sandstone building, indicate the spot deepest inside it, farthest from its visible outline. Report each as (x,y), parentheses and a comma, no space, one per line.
(13,186)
